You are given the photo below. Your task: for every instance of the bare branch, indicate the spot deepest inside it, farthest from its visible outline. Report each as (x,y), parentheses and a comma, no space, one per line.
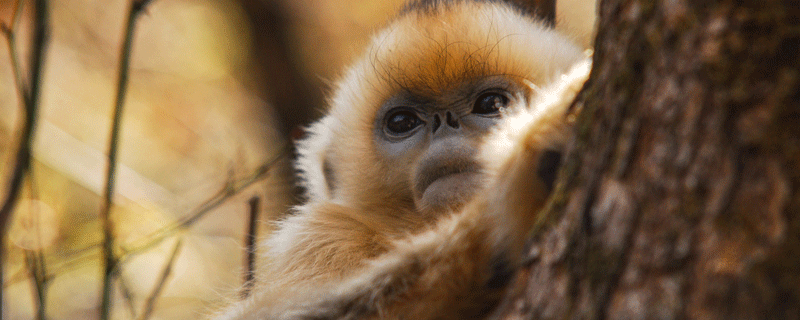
(23,157)
(110,261)
(9,33)
(230,190)
(127,295)
(36,267)
(250,246)
(35,258)
(151,300)
(83,255)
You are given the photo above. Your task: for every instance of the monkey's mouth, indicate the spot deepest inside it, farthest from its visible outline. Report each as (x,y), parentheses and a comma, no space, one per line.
(435,173)
(446,186)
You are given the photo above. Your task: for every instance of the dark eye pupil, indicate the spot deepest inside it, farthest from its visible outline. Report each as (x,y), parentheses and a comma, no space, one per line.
(490,103)
(402,122)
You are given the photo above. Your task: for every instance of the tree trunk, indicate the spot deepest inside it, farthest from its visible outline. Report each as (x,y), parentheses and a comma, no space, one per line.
(680,196)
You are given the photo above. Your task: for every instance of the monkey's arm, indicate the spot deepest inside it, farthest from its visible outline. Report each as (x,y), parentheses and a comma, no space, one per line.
(460,267)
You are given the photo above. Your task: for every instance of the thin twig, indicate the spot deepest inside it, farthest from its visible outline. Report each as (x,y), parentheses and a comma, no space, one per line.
(86,254)
(127,294)
(229,191)
(35,262)
(23,158)
(250,246)
(151,300)
(42,291)
(9,32)
(109,259)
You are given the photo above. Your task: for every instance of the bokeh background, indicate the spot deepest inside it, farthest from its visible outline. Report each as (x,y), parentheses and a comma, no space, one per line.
(218,89)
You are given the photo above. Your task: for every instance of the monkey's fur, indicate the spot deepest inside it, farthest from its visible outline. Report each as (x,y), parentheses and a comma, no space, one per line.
(423,178)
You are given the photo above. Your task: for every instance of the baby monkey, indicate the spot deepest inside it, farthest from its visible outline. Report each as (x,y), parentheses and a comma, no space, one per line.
(428,171)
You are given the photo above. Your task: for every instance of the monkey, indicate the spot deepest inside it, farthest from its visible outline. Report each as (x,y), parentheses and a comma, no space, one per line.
(428,171)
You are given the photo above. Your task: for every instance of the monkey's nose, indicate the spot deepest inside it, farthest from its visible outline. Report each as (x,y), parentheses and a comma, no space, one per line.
(449,118)
(452,121)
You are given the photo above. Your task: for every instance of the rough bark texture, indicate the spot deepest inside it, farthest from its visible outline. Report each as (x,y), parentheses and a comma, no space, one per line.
(680,196)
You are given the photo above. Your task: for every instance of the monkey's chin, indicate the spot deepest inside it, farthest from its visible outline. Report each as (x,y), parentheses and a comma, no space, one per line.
(450,192)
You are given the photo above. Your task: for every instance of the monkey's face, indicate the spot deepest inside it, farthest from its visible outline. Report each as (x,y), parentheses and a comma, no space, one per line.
(433,138)
(407,119)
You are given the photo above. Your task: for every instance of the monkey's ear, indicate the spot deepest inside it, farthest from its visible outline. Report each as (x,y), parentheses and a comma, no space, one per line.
(542,9)
(314,161)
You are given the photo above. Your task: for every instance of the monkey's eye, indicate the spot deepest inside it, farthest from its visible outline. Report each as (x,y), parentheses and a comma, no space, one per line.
(401,121)
(490,103)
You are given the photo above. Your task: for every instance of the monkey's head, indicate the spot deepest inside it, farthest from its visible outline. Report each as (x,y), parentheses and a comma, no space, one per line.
(407,119)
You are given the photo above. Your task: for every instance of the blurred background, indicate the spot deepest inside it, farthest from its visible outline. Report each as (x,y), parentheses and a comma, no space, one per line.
(217,88)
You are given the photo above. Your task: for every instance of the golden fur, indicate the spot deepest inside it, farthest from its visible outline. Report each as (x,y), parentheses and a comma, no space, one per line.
(360,247)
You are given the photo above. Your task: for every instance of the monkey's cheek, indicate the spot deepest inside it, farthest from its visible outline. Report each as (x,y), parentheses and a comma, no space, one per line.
(452,191)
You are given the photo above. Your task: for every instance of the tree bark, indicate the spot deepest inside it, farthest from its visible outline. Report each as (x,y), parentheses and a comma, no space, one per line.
(680,195)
